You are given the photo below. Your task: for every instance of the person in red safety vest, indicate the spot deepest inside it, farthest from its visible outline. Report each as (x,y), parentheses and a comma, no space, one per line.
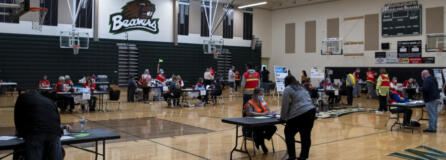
(371,92)
(250,81)
(44,83)
(92,102)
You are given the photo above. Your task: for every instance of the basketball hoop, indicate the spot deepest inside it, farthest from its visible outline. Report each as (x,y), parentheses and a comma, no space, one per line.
(75,49)
(38,17)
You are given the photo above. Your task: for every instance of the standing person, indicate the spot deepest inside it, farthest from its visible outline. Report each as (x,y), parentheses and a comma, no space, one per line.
(131,89)
(92,102)
(37,121)
(371,92)
(356,88)
(250,81)
(350,82)
(431,96)
(44,83)
(265,75)
(299,114)
(257,106)
(383,87)
(159,81)
(231,80)
(208,77)
(303,77)
(237,80)
(145,81)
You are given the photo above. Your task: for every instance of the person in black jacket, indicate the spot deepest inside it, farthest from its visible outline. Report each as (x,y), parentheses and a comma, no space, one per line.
(37,120)
(431,96)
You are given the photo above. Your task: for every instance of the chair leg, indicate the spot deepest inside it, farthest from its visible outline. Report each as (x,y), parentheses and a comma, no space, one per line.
(272,144)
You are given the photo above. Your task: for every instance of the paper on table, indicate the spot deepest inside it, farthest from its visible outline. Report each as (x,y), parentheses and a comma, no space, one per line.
(66,137)
(5,138)
(261,117)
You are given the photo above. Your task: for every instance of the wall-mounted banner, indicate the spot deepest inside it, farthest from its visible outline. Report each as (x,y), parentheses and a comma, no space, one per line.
(415,60)
(380,57)
(391,57)
(403,60)
(317,73)
(429,60)
(135,15)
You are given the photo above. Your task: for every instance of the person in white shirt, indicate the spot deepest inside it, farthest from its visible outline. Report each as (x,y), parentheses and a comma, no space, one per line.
(145,81)
(231,79)
(208,77)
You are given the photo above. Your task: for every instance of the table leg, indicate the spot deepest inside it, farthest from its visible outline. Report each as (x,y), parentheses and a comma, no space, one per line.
(103,149)
(96,150)
(236,141)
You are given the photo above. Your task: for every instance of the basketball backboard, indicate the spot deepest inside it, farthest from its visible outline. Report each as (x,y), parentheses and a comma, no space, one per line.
(436,42)
(332,46)
(15,9)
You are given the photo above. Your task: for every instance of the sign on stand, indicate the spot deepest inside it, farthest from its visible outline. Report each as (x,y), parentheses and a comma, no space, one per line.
(280,73)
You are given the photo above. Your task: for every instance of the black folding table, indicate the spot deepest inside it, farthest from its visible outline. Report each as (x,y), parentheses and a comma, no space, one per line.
(95,135)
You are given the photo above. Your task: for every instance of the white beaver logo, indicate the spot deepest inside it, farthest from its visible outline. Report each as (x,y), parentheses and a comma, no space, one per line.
(136,15)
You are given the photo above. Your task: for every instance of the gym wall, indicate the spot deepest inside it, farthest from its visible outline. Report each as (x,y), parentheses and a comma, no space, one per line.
(26,58)
(321,13)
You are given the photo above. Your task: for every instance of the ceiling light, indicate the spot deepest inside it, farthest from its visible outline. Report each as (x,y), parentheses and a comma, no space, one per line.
(252,5)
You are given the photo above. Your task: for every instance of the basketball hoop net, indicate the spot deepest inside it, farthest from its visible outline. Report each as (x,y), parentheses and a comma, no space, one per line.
(38,17)
(75,49)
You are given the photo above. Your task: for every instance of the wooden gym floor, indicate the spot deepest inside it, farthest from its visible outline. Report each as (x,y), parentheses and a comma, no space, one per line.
(153,131)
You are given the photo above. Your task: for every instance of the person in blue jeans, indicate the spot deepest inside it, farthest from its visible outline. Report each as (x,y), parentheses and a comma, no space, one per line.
(431,96)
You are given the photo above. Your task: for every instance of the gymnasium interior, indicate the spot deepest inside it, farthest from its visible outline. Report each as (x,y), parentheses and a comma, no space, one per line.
(180,79)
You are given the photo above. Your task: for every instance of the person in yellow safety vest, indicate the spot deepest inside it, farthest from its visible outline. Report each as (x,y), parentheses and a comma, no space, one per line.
(383,86)
(371,92)
(250,81)
(350,82)
(257,106)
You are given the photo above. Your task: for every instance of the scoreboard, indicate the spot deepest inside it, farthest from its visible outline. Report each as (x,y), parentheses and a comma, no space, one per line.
(401,19)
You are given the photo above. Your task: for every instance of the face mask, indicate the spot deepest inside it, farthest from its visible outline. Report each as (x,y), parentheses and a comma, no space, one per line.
(260,98)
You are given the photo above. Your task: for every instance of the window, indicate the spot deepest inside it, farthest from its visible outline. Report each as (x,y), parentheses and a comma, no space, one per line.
(247,24)
(51,15)
(84,19)
(204,22)
(183,17)
(228,23)
(5,18)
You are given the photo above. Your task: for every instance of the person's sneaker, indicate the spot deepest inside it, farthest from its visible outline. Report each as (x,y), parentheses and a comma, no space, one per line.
(429,131)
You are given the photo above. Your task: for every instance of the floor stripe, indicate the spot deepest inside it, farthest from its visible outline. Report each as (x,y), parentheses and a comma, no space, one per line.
(149,140)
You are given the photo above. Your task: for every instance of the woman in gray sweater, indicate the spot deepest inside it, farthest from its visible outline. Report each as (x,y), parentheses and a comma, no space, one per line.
(299,114)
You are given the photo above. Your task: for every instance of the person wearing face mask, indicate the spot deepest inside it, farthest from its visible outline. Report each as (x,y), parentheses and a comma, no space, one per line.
(257,106)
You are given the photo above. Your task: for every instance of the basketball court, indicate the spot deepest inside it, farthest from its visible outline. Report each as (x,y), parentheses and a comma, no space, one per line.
(114,42)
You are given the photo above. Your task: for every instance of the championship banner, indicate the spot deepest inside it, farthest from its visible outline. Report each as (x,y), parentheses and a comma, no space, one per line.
(403,60)
(280,73)
(391,57)
(429,60)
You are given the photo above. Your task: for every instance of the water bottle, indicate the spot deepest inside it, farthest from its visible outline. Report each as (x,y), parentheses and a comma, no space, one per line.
(83,123)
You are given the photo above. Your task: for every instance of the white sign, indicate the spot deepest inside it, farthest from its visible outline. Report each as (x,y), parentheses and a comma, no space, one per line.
(317,73)
(280,73)
(439,77)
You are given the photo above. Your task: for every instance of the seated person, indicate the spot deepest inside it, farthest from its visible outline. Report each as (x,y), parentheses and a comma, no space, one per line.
(398,97)
(92,102)
(44,83)
(217,88)
(69,83)
(66,98)
(37,121)
(174,92)
(200,86)
(258,107)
